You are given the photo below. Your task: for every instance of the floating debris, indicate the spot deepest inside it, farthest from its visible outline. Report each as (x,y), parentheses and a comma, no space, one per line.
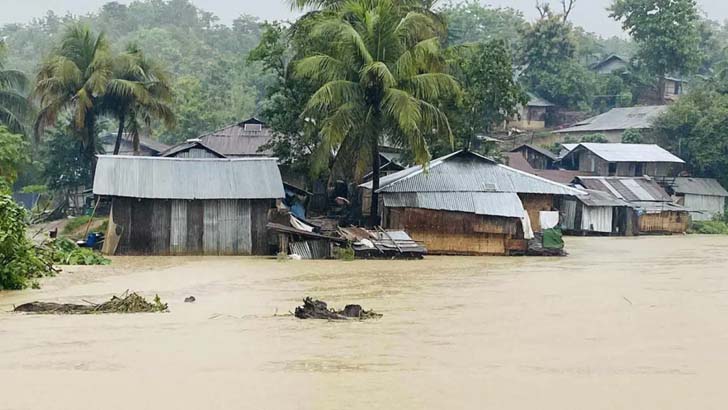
(126,303)
(190,299)
(316,309)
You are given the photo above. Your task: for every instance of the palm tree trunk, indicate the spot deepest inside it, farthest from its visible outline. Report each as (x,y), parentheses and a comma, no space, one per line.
(120,134)
(91,143)
(374,219)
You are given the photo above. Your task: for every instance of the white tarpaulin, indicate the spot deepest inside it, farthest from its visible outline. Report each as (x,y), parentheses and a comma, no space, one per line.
(527,230)
(549,219)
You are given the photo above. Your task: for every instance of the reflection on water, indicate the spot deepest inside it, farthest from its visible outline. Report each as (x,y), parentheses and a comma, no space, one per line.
(621,323)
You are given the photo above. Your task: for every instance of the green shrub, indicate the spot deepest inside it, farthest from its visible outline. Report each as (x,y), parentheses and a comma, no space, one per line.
(344,254)
(66,252)
(716,227)
(20,261)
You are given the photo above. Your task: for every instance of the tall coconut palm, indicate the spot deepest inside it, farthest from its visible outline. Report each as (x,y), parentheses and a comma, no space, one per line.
(14,106)
(73,79)
(381,74)
(139,92)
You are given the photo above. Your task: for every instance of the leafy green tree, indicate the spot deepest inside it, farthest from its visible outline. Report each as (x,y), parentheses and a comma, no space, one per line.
(381,74)
(140,91)
(14,106)
(548,53)
(490,94)
(595,138)
(632,136)
(65,166)
(471,22)
(695,129)
(13,154)
(73,79)
(666,32)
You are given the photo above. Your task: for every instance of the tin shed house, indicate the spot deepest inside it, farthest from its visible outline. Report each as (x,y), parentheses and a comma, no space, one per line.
(622,160)
(186,206)
(467,204)
(704,197)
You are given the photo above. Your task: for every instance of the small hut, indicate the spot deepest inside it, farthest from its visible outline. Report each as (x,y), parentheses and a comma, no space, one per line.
(467,204)
(657,213)
(704,197)
(186,206)
(537,157)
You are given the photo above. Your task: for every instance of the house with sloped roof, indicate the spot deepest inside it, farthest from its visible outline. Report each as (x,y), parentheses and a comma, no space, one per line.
(537,157)
(656,211)
(187,206)
(610,64)
(242,139)
(622,160)
(465,203)
(147,147)
(704,197)
(532,116)
(613,123)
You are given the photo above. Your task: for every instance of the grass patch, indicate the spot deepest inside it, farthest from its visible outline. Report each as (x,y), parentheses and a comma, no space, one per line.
(709,227)
(344,254)
(75,223)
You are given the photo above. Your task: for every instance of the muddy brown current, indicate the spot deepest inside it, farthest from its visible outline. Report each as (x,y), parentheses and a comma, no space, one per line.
(621,323)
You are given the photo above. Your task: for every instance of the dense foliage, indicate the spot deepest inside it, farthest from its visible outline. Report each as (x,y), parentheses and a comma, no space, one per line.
(20,261)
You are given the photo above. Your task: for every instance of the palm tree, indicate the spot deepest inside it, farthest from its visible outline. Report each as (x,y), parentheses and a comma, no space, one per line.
(382,75)
(14,106)
(73,79)
(139,92)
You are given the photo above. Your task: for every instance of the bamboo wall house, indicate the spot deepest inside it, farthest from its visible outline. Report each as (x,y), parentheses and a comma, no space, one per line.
(186,206)
(657,213)
(467,204)
(599,213)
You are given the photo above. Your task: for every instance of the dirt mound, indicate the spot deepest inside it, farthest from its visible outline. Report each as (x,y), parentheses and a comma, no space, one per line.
(126,303)
(316,309)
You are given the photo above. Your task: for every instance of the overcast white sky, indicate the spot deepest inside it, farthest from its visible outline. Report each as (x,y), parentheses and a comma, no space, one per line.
(590,14)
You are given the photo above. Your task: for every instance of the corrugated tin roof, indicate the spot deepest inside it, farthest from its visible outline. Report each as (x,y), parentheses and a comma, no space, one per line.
(505,204)
(188,178)
(234,140)
(542,151)
(630,189)
(699,186)
(127,138)
(188,145)
(599,198)
(465,171)
(619,119)
(628,152)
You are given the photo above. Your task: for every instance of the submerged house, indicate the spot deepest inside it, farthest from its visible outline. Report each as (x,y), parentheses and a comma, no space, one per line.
(188,206)
(622,160)
(467,204)
(656,211)
(704,197)
(598,213)
(613,123)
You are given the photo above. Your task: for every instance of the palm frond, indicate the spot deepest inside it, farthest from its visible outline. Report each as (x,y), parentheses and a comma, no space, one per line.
(377,73)
(417,57)
(321,68)
(433,86)
(333,95)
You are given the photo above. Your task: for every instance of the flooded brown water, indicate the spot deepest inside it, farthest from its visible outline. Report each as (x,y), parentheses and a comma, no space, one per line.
(620,324)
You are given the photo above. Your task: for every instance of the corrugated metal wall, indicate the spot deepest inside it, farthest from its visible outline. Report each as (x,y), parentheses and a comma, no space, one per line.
(196,153)
(568,207)
(710,205)
(191,227)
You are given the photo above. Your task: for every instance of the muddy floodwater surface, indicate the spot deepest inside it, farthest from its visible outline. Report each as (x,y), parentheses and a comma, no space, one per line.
(620,324)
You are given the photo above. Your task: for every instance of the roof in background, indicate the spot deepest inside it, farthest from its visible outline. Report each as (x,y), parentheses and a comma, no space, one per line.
(699,186)
(517,161)
(465,171)
(234,140)
(630,189)
(126,138)
(562,176)
(506,204)
(628,152)
(608,59)
(542,151)
(618,119)
(536,101)
(188,178)
(186,146)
